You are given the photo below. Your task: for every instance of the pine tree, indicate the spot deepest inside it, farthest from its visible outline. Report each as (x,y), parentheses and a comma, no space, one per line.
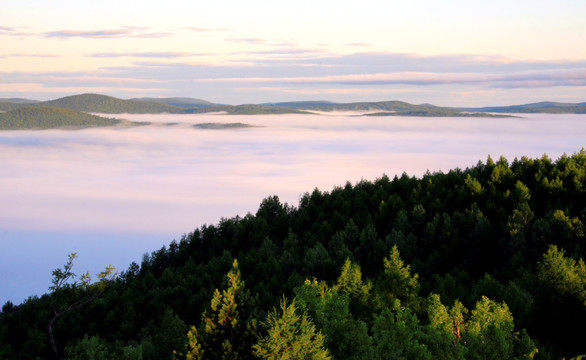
(397,283)
(229,326)
(290,336)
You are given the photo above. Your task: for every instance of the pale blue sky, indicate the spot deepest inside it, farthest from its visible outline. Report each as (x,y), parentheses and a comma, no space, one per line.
(459,53)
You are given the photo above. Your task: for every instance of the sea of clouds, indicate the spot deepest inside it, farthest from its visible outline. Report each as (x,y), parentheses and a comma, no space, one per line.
(112,194)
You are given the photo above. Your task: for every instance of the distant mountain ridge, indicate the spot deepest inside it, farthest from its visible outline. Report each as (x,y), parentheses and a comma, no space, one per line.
(18,100)
(96,103)
(186,102)
(548,107)
(362,106)
(301,104)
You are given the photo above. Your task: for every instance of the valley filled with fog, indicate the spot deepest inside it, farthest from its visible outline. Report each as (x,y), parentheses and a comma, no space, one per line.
(112,194)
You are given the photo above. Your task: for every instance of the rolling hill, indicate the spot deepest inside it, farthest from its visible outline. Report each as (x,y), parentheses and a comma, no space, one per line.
(42,117)
(110,105)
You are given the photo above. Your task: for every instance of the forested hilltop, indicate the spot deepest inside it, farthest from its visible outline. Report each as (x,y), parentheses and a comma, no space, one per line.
(110,105)
(481,263)
(44,117)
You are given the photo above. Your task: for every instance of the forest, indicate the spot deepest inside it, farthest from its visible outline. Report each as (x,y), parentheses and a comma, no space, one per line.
(485,262)
(44,117)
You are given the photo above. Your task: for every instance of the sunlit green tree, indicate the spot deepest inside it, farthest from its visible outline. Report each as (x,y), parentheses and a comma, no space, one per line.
(290,336)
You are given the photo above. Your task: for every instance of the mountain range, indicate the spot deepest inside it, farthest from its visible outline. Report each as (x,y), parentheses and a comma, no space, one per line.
(79,105)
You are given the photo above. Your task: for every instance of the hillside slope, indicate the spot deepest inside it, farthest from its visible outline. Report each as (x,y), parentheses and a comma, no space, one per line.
(44,117)
(110,105)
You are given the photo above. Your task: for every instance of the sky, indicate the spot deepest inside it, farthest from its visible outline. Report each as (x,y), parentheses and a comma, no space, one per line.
(448,53)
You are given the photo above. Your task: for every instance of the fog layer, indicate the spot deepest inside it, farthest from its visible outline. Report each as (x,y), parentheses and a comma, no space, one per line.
(167,178)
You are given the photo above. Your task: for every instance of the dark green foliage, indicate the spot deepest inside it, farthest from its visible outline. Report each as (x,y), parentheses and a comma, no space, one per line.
(396,336)
(44,117)
(345,336)
(93,348)
(481,238)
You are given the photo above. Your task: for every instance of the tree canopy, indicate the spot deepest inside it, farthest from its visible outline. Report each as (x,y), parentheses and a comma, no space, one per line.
(479,263)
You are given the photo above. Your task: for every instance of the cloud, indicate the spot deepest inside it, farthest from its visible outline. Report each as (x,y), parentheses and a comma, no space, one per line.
(31,55)
(575,77)
(27,89)
(528,79)
(305,73)
(133,32)
(151,54)
(289,51)
(157,178)
(14,31)
(248,40)
(358,44)
(200,29)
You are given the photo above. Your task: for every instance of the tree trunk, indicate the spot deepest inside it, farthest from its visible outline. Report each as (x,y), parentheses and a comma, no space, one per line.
(52,339)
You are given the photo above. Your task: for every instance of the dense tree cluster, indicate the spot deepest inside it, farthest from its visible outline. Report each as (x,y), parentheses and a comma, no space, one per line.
(481,263)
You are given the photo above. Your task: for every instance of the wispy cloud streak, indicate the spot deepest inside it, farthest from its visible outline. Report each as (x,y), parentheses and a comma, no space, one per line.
(200,29)
(131,32)
(248,40)
(297,71)
(152,54)
(30,55)
(521,80)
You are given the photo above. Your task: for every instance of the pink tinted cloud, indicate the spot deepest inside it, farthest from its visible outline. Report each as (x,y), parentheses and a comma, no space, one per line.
(33,55)
(574,77)
(146,54)
(174,178)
